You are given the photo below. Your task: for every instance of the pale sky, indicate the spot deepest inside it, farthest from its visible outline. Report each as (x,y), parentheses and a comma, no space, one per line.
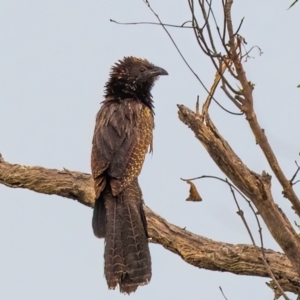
(55,59)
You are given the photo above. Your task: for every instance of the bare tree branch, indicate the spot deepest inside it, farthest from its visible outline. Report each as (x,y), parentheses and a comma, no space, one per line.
(194,249)
(256,187)
(247,108)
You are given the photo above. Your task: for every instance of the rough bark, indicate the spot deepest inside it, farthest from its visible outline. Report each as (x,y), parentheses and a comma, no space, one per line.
(194,249)
(255,186)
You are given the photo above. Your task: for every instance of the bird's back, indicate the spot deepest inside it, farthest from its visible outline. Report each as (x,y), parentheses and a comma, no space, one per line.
(122,137)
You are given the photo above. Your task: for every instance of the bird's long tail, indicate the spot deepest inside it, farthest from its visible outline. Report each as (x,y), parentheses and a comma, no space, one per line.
(127,256)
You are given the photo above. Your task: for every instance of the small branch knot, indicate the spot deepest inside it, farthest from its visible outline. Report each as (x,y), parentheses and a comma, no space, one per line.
(266,177)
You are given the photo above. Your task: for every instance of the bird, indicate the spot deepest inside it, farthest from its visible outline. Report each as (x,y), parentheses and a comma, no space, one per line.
(123,135)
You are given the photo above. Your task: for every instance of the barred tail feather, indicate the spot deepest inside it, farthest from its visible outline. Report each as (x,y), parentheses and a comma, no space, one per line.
(114,252)
(137,258)
(127,255)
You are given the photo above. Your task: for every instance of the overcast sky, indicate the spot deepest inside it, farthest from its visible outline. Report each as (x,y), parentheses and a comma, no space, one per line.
(55,58)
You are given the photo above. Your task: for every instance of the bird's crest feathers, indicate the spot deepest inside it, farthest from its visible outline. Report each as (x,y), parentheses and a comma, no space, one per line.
(134,78)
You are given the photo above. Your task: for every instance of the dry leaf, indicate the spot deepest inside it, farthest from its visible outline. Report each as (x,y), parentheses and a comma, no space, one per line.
(194,195)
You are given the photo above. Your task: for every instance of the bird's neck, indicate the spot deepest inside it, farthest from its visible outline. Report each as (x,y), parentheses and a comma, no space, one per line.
(121,94)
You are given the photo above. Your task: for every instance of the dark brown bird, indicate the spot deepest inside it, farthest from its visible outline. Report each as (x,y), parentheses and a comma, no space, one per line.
(122,137)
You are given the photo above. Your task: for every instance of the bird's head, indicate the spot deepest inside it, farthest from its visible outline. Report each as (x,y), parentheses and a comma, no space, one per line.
(133,77)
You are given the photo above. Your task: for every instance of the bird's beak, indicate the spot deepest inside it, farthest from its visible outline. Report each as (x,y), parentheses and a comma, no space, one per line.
(157,71)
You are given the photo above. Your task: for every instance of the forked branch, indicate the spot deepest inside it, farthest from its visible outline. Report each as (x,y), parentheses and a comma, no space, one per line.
(256,187)
(247,108)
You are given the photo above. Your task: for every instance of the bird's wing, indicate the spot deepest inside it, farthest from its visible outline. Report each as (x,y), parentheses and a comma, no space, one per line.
(121,140)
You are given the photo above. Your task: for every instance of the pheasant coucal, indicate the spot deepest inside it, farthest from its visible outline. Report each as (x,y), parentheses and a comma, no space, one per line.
(122,137)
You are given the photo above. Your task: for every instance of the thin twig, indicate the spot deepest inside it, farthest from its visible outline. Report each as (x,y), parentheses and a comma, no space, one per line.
(152,23)
(224,24)
(213,89)
(199,33)
(230,97)
(223,293)
(222,37)
(187,64)
(206,17)
(200,38)
(240,26)
(294,176)
(241,214)
(178,50)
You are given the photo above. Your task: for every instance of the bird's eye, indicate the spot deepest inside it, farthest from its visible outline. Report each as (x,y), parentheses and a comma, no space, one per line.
(142,69)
